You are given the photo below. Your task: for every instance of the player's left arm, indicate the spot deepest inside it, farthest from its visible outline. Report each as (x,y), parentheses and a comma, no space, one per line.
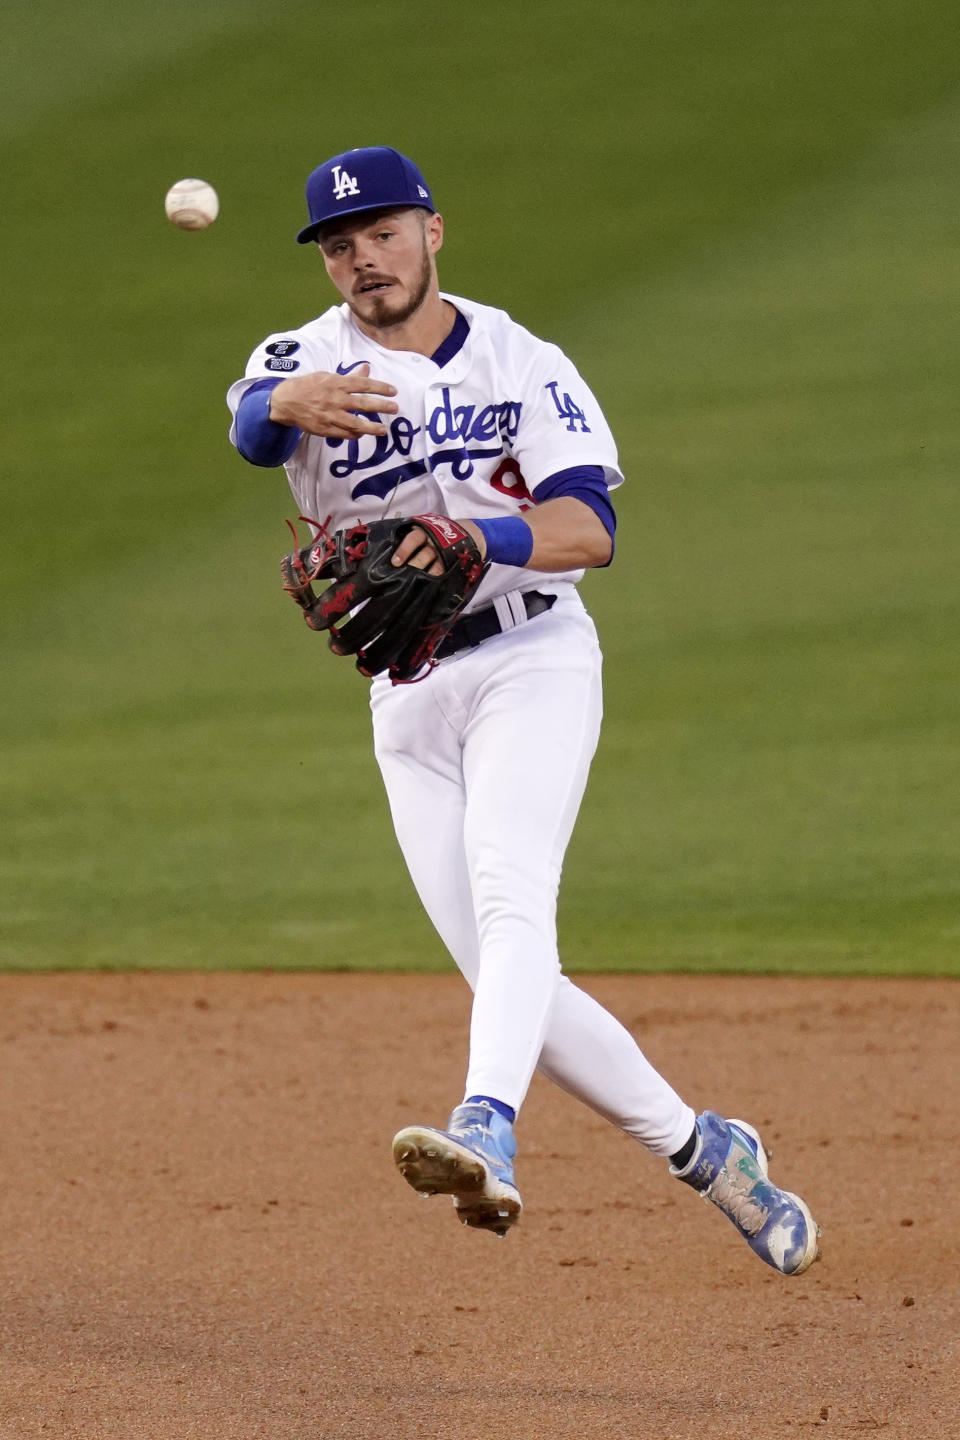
(566,534)
(568,458)
(561,534)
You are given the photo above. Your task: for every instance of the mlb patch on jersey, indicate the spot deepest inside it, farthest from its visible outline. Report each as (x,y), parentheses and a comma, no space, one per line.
(283,347)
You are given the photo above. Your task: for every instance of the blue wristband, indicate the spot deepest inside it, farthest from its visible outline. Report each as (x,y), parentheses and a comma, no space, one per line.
(509,540)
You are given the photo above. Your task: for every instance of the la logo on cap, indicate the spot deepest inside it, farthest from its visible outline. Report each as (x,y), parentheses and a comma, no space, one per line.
(344,184)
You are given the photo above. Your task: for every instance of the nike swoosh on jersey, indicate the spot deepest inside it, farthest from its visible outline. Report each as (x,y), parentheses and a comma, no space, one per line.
(345,369)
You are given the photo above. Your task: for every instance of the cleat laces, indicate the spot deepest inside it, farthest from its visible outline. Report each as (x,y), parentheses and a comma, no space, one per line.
(728,1195)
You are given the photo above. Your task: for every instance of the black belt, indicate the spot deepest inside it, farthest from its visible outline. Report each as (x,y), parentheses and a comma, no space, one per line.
(473,629)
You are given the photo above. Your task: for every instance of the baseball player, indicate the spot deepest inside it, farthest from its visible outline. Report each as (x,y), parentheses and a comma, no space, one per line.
(404,400)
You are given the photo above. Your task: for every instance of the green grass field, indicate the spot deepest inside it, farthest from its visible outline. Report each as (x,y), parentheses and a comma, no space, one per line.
(742,222)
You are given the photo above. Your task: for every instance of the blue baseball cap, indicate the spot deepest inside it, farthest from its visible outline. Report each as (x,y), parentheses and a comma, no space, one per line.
(376,178)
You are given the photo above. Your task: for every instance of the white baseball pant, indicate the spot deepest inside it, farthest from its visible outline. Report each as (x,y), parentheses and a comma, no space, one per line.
(485,764)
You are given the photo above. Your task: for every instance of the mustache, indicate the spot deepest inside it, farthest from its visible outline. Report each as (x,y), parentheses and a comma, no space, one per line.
(366,280)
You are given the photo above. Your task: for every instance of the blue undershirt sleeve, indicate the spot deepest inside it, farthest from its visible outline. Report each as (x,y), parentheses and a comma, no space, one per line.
(586,483)
(261,440)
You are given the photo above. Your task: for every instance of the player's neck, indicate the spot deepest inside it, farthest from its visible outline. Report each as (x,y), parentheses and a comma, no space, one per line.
(422,332)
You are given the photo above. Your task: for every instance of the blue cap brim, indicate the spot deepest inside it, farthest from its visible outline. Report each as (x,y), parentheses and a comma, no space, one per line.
(310,232)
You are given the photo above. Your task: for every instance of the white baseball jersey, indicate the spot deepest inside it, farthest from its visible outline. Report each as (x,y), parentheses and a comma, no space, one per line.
(472,438)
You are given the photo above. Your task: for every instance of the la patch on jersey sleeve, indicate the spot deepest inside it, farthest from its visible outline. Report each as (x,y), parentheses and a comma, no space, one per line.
(562,424)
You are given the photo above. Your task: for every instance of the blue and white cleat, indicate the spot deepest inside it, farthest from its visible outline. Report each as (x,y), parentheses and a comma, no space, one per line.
(729,1168)
(470,1160)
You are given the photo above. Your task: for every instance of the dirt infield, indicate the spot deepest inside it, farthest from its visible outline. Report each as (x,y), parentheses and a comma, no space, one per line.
(203,1234)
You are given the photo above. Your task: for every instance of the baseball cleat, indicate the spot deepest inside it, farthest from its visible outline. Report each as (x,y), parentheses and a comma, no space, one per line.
(470,1160)
(729,1168)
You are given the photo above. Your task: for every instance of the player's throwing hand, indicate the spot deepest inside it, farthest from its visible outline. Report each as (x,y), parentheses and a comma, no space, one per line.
(325,404)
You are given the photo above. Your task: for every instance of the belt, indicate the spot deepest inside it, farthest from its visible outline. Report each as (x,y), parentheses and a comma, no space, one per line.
(473,629)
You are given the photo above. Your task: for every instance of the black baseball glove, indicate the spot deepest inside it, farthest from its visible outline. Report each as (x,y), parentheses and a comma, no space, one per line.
(392,617)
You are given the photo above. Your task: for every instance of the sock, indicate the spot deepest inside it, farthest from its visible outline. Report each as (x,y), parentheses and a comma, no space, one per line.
(684,1155)
(497,1105)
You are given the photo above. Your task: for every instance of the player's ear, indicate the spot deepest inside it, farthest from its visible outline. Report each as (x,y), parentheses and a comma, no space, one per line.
(433,230)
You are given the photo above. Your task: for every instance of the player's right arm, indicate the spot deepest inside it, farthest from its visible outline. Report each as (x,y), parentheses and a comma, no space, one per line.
(271,413)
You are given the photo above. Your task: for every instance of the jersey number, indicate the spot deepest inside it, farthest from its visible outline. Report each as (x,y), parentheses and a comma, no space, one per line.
(509,481)
(566,408)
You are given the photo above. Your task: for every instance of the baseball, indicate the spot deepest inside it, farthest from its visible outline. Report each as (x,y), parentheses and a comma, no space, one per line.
(191,204)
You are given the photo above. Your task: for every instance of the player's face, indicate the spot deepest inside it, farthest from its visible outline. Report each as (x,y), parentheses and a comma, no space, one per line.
(384,266)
